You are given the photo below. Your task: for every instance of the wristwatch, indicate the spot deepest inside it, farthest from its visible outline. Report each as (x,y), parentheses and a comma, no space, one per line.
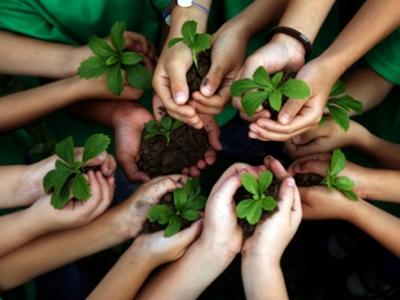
(184,3)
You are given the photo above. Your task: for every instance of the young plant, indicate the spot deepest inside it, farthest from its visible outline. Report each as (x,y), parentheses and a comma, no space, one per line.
(114,61)
(264,88)
(187,203)
(197,42)
(340,105)
(252,209)
(341,183)
(67,178)
(165,128)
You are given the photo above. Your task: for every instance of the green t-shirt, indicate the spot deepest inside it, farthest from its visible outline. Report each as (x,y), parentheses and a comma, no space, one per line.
(385,58)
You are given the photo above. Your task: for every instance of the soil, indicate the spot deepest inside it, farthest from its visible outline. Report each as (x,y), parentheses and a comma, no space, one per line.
(308,179)
(195,76)
(150,227)
(274,114)
(241,194)
(186,147)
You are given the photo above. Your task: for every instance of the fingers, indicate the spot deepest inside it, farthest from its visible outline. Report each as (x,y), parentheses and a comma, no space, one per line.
(223,195)
(179,88)
(263,134)
(289,110)
(287,193)
(109,167)
(106,195)
(276,168)
(213,131)
(213,79)
(308,136)
(187,236)
(313,166)
(317,146)
(95,187)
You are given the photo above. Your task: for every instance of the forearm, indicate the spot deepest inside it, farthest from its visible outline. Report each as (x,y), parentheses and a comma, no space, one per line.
(173,282)
(32,57)
(10,182)
(19,109)
(380,225)
(57,249)
(125,278)
(361,34)
(263,280)
(382,185)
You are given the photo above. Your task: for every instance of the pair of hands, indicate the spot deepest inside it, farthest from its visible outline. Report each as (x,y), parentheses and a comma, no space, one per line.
(76,213)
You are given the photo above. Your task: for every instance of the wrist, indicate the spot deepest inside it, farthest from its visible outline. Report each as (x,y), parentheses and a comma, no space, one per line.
(295,46)
(74,58)
(125,113)
(222,253)
(180,15)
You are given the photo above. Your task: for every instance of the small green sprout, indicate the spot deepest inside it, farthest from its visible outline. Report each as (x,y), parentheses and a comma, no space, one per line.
(197,42)
(165,128)
(340,105)
(252,209)
(67,178)
(113,61)
(188,202)
(343,184)
(262,88)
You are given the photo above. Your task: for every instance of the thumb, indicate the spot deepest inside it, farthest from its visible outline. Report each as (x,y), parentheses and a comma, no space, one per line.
(213,80)
(213,131)
(185,237)
(179,87)
(290,110)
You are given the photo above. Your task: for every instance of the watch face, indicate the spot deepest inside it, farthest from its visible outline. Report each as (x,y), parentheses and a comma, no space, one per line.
(185,3)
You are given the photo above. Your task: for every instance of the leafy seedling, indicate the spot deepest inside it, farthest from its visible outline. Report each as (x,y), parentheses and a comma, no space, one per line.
(340,105)
(197,42)
(165,128)
(252,209)
(187,203)
(332,179)
(113,61)
(68,177)
(264,88)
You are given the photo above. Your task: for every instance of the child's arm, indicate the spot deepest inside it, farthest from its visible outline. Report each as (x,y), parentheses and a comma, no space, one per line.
(146,253)
(16,229)
(54,250)
(320,203)
(262,252)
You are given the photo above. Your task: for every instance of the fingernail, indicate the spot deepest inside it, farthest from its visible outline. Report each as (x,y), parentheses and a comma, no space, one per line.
(284,119)
(290,181)
(252,135)
(206,89)
(269,157)
(180,98)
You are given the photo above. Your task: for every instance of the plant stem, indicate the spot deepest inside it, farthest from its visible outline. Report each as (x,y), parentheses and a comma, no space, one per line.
(196,64)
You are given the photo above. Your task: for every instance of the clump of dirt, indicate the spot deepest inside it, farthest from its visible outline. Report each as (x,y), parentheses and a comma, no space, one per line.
(186,147)
(194,77)
(308,179)
(242,194)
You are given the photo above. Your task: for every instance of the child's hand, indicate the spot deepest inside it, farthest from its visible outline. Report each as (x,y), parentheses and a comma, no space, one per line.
(76,213)
(158,249)
(325,138)
(318,164)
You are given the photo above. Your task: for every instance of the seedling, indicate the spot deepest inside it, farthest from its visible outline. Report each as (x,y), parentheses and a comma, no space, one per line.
(165,128)
(252,209)
(340,105)
(114,61)
(332,179)
(197,42)
(187,203)
(67,178)
(264,88)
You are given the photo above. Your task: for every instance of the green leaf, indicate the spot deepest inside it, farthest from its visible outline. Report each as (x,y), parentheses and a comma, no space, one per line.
(174,225)
(180,199)
(254,212)
(65,150)
(176,125)
(348,103)
(139,77)
(243,207)
(252,101)
(117,36)
(160,213)
(114,80)
(276,79)
(111,61)
(189,30)
(201,42)
(249,182)
(60,196)
(264,181)
(92,67)
(275,100)
(192,186)
(166,122)
(80,187)
(343,183)
(54,179)
(340,116)
(351,195)
(100,47)
(197,203)
(338,89)
(338,162)
(262,78)
(295,89)
(174,41)
(190,214)
(64,168)
(268,203)
(130,58)
(239,87)
(95,145)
